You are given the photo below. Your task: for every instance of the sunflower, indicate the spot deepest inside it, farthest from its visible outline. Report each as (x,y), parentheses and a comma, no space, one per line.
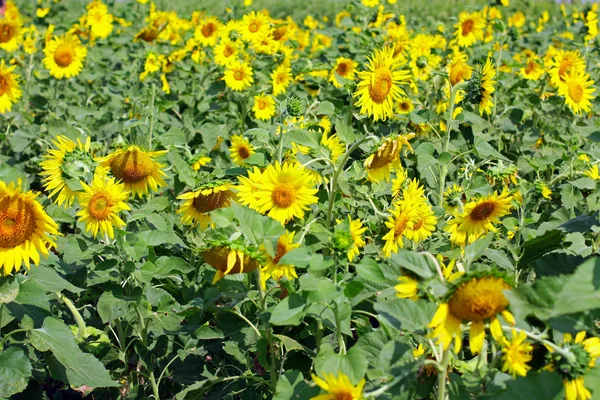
(64,56)
(344,68)
(69,160)
(593,172)
(272,268)
(481,87)
(240,150)
(199,162)
(281,78)
(230,258)
(378,89)
(9,87)
(206,31)
(356,231)
(408,288)
(402,216)
(475,299)
(226,52)
(264,107)
(280,191)
(386,159)
(335,146)
(238,76)
(10,34)
(338,388)
(255,26)
(563,64)
(200,202)
(577,91)
(100,204)
(516,354)
(478,218)
(25,228)
(423,224)
(458,69)
(469,29)
(137,169)
(405,105)
(98,20)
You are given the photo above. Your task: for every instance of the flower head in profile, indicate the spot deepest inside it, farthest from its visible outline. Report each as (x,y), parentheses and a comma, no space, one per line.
(238,76)
(137,169)
(64,56)
(338,387)
(240,150)
(198,203)
(479,299)
(577,90)
(407,288)
(26,230)
(230,258)
(68,160)
(516,353)
(274,269)
(386,158)
(9,87)
(481,87)
(379,88)
(101,203)
(281,191)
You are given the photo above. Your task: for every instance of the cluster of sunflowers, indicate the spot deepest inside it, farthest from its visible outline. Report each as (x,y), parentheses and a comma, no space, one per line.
(361,189)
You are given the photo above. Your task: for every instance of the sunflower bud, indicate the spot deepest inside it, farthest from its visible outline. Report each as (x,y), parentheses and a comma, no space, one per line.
(295,106)
(342,238)
(571,368)
(474,89)
(513,34)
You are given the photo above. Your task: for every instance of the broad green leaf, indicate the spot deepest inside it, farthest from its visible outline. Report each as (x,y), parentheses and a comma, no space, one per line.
(544,385)
(207,333)
(405,314)
(110,307)
(292,385)
(325,108)
(15,370)
(49,280)
(174,136)
(299,257)
(485,150)
(185,172)
(353,363)
(580,291)
(289,343)
(476,249)
(302,137)
(420,264)
(9,290)
(290,311)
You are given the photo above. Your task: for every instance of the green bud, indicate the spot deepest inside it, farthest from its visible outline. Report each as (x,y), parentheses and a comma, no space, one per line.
(295,106)
(571,369)
(474,89)
(342,240)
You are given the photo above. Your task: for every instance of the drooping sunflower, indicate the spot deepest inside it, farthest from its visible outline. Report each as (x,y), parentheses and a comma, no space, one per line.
(100,204)
(577,90)
(64,56)
(386,159)
(198,203)
(206,31)
(254,26)
(516,353)
(272,268)
(402,215)
(379,86)
(240,150)
(9,87)
(10,34)
(478,218)
(281,191)
(334,145)
(230,258)
(25,228)
(338,387)
(345,68)
(69,160)
(238,76)
(137,169)
(226,52)
(264,107)
(477,298)
(469,29)
(281,78)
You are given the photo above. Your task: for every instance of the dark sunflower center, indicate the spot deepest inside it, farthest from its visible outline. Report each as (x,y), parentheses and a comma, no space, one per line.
(342,69)
(4,86)
(279,252)
(483,211)
(228,51)
(17,222)
(132,166)
(381,84)
(64,55)
(208,30)
(100,206)
(244,152)
(6,32)
(284,195)
(467,27)
(212,201)
(254,27)
(238,75)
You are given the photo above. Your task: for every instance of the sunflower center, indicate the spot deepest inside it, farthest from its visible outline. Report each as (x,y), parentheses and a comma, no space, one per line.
(280,78)
(279,33)
(400,225)
(479,299)
(342,69)
(228,51)
(530,67)
(244,152)
(483,211)
(17,222)
(404,106)
(284,195)
(64,55)
(6,33)
(564,68)
(99,206)
(3,85)
(575,91)
(381,84)
(209,202)
(254,27)
(279,252)
(208,30)
(262,105)
(132,166)
(343,396)
(385,155)
(467,27)
(238,75)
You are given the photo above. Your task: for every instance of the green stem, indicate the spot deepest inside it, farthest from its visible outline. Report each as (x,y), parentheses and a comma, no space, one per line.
(9,334)
(338,329)
(81,332)
(442,375)
(151,122)
(263,305)
(154,386)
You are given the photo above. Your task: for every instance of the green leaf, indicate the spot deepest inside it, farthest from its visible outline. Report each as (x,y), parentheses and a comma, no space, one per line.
(174,136)
(292,385)
(485,150)
(290,311)
(206,333)
(110,308)
(289,343)
(49,280)
(325,108)
(155,238)
(580,291)
(300,257)
(184,171)
(420,264)
(353,364)
(168,266)
(302,137)
(544,385)
(15,370)
(9,290)
(476,249)
(80,368)
(405,314)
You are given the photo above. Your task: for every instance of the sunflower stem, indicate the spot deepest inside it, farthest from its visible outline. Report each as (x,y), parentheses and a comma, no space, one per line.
(268,333)
(155,392)
(441,395)
(81,332)
(152,116)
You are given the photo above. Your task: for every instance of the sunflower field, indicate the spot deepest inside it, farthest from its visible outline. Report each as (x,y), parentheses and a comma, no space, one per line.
(347,200)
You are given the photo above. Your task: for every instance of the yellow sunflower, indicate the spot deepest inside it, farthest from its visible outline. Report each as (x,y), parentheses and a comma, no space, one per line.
(68,160)
(226,52)
(232,258)
(335,146)
(356,230)
(478,218)
(100,204)
(200,202)
(345,68)
(563,63)
(586,351)
(206,31)
(264,107)
(405,105)
(516,353)
(9,87)
(386,159)
(25,228)
(474,299)
(482,95)
(10,34)
(272,268)
(280,191)
(254,26)
(238,76)
(64,56)
(458,69)
(402,216)
(137,169)
(378,90)
(408,288)
(469,29)
(338,388)
(577,91)
(240,150)
(281,78)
